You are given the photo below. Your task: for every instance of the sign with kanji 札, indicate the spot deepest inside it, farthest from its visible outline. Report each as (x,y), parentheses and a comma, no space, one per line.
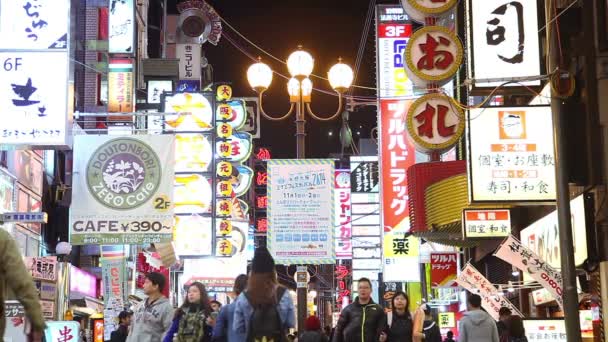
(419,10)
(511,156)
(444,269)
(486,223)
(515,253)
(433,56)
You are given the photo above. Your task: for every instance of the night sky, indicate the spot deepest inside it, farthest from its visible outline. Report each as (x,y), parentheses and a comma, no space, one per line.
(328,29)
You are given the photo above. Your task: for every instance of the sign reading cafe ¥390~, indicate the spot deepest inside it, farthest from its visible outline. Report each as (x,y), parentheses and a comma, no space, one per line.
(123,190)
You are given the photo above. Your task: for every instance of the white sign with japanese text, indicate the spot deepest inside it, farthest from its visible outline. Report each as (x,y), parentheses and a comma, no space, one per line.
(342,207)
(156,88)
(515,253)
(473,281)
(42,268)
(189,56)
(486,223)
(122,26)
(35,98)
(505,40)
(34,24)
(511,155)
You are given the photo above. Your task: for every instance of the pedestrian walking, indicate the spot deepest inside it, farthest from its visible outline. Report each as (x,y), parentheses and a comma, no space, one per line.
(503,316)
(450,337)
(399,323)
(15,276)
(515,330)
(430,328)
(191,320)
(224,327)
(265,310)
(477,325)
(152,317)
(363,320)
(312,331)
(121,334)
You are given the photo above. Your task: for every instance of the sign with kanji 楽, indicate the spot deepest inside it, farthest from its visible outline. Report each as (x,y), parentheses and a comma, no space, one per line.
(444,269)
(434,123)
(433,56)
(486,223)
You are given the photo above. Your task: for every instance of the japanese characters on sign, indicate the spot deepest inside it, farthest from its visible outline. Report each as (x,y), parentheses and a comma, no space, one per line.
(434,123)
(433,55)
(446,320)
(122,27)
(123,189)
(486,223)
(301,211)
(189,56)
(419,10)
(194,112)
(515,253)
(113,279)
(393,32)
(444,269)
(120,86)
(545,330)
(42,268)
(344,278)
(62,331)
(511,156)
(401,256)
(34,24)
(343,215)
(156,88)
(505,41)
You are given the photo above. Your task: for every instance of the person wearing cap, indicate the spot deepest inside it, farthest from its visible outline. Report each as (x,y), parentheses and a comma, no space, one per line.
(120,334)
(262,289)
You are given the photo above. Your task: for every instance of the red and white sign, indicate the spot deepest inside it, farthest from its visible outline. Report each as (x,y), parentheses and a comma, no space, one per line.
(515,253)
(486,223)
(393,33)
(344,277)
(397,155)
(419,10)
(42,268)
(473,281)
(433,56)
(434,123)
(444,269)
(343,215)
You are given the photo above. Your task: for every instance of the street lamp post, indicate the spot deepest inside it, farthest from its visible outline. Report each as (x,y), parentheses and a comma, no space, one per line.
(300,64)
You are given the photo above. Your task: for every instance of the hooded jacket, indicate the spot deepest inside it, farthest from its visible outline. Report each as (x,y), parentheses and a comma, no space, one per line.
(151,321)
(360,323)
(478,326)
(14,275)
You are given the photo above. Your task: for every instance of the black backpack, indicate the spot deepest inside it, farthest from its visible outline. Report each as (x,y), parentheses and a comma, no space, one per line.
(265,323)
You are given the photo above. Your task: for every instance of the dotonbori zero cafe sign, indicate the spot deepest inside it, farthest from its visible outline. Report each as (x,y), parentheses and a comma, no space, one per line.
(123,190)
(505,40)
(34,73)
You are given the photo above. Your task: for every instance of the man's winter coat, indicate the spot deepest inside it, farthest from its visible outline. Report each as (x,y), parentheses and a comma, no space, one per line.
(360,322)
(151,321)
(478,326)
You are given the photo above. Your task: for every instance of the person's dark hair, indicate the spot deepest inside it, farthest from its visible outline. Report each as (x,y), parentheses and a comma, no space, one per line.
(407,305)
(240,284)
(157,279)
(366,280)
(216,302)
(450,334)
(262,288)
(515,327)
(427,310)
(124,315)
(475,301)
(203,304)
(504,311)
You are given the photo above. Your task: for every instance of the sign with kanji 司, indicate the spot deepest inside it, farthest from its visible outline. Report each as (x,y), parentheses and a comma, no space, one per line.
(434,123)
(444,269)
(486,223)
(511,156)
(433,55)
(419,10)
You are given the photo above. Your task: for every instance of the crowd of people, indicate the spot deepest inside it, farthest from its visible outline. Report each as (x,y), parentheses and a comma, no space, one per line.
(263,311)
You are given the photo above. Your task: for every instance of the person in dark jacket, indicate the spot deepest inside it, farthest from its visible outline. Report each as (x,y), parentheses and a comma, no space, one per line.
(312,331)
(191,322)
(399,324)
(503,316)
(363,320)
(450,337)
(120,334)
(430,328)
(224,329)
(515,330)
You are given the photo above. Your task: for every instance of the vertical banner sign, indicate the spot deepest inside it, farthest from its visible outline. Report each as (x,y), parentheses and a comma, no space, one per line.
(301,211)
(120,86)
(444,269)
(114,283)
(505,40)
(122,190)
(189,56)
(511,155)
(473,281)
(342,206)
(515,253)
(122,27)
(393,31)
(344,277)
(34,73)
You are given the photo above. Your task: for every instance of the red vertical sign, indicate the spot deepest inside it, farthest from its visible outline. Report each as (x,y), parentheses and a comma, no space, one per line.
(444,269)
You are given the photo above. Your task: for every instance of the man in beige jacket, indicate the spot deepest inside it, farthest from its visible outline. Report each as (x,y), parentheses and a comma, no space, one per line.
(15,276)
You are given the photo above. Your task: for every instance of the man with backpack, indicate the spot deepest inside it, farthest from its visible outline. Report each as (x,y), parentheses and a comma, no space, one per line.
(265,311)
(363,320)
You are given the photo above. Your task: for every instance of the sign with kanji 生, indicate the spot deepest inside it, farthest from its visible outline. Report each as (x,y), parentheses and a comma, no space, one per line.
(486,223)
(444,269)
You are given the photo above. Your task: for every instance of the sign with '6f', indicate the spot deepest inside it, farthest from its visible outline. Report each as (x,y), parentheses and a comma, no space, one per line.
(123,190)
